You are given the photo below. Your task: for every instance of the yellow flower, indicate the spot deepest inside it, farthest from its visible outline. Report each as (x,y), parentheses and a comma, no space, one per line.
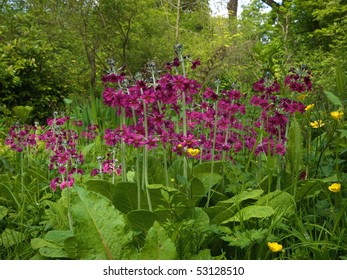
(336,115)
(193,152)
(309,107)
(274,247)
(317,124)
(336,187)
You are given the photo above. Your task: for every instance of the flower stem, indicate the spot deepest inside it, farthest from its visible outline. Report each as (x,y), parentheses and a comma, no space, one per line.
(145,158)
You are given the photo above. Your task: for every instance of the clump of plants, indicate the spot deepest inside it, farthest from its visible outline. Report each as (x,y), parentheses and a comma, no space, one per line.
(183,172)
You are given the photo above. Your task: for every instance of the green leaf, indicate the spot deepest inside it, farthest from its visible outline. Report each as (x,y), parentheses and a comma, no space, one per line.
(99,228)
(3,212)
(343,133)
(206,167)
(340,80)
(237,199)
(197,189)
(86,149)
(57,244)
(294,148)
(333,98)
(245,238)
(125,197)
(208,179)
(103,187)
(219,214)
(156,174)
(280,201)
(158,245)
(10,237)
(141,220)
(249,212)
(49,249)
(58,236)
(307,188)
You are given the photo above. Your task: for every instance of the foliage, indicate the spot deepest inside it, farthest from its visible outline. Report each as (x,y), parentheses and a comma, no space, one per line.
(173,164)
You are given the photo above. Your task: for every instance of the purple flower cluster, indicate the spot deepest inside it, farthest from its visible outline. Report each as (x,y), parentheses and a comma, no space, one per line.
(21,137)
(299,80)
(60,143)
(274,114)
(64,157)
(207,110)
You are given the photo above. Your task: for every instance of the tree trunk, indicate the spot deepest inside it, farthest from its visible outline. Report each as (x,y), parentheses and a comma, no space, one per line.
(232,8)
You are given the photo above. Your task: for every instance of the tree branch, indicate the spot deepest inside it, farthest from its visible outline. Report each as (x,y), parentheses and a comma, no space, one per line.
(272,3)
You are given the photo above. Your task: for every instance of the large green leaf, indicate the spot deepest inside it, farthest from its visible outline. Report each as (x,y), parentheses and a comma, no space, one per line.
(245,195)
(3,212)
(249,212)
(280,201)
(158,245)
(53,245)
(333,98)
(99,228)
(10,237)
(197,190)
(7,191)
(295,148)
(156,174)
(141,220)
(340,79)
(206,167)
(125,197)
(103,187)
(208,179)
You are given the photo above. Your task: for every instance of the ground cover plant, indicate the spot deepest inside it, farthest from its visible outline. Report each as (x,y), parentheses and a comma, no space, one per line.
(178,170)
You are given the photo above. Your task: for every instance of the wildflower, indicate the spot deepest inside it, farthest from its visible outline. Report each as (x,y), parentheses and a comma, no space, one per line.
(336,187)
(193,152)
(274,247)
(309,107)
(336,115)
(317,124)
(195,63)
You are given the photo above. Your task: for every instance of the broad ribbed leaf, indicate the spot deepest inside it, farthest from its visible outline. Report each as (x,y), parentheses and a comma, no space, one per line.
(3,212)
(253,211)
(197,190)
(340,79)
(279,200)
(206,167)
(333,98)
(99,228)
(158,245)
(125,197)
(236,199)
(208,179)
(103,187)
(141,220)
(295,148)
(10,237)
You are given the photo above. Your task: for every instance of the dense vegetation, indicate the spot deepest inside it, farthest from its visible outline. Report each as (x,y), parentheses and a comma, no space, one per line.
(149,129)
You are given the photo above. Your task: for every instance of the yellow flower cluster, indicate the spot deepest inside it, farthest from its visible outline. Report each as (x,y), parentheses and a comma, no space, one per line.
(309,107)
(274,247)
(336,187)
(193,152)
(317,124)
(336,115)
